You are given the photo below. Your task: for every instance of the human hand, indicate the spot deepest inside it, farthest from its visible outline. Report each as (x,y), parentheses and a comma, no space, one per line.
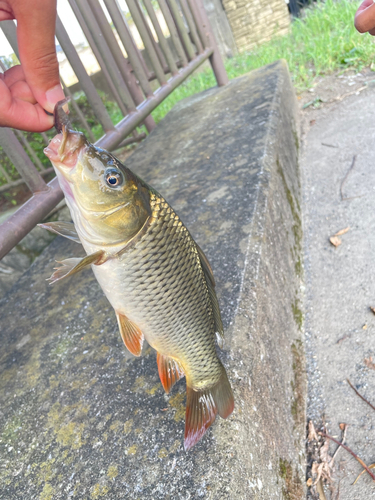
(28,89)
(364,19)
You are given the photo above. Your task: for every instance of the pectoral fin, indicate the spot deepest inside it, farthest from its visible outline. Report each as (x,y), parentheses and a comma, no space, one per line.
(170,371)
(74,265)
(65,229)
(131,335)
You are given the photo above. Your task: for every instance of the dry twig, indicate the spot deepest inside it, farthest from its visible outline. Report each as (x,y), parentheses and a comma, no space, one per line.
(345,178)
(360,395)
(351,452)
(342,442)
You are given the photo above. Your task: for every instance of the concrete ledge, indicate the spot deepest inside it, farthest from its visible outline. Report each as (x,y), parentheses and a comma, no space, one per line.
(80,418)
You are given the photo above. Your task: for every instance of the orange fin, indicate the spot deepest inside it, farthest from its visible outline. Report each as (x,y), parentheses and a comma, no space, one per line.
(203,406)
(170,371)
(131,335)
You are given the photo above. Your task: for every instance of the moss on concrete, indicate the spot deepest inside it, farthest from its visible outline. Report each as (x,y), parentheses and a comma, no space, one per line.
(292,488)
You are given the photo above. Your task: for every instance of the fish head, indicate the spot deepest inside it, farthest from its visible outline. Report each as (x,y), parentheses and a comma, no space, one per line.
(109,204)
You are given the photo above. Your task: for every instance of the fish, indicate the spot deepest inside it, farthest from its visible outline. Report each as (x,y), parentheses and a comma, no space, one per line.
(157,279)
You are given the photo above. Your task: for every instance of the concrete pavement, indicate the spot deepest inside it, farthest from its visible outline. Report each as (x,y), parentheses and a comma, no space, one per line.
(340,285)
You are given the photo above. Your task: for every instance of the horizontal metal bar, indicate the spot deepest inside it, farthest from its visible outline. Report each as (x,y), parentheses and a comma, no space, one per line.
(21,160)
(123,128)
(32,211)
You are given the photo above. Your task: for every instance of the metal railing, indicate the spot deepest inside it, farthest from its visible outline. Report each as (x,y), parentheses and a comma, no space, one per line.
(132,74)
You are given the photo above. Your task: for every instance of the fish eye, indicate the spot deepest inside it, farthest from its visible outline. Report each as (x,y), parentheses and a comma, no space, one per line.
(113,177)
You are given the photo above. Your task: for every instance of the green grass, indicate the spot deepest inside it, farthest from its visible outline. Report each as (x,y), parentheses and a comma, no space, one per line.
(324,41)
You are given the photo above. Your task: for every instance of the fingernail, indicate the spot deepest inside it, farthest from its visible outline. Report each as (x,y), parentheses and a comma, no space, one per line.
(48,113)
(53,95)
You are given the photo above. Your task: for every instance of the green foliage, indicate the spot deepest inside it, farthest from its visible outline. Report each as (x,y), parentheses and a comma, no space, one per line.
(324,40)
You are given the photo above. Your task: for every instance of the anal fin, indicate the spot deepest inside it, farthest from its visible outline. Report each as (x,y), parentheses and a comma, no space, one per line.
(202,406)
(131,335)
(170,371)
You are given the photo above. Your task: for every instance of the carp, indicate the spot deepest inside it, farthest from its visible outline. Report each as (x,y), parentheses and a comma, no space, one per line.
(154,274)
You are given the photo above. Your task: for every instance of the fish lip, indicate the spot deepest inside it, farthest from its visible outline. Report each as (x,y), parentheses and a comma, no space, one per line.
(65,150)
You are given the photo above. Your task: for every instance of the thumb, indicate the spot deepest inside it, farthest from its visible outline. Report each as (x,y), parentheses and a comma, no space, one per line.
(365,16)
(36,23)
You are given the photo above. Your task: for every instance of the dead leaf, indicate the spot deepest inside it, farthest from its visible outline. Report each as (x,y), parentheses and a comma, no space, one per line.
(364,327)
(320,490)
(309,482)
(335,241)
(342,231)
(312,432)
(372,309)
(369,363)
(342,426)
(372,466)
(323,452)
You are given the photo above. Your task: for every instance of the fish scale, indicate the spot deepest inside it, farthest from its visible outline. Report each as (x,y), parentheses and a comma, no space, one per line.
(155,276)
(191,288)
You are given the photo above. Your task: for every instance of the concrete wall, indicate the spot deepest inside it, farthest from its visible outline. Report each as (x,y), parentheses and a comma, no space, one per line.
(256,21)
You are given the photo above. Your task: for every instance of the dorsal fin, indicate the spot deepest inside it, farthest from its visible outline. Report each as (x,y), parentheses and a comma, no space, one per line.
(219,330)
(206,265)
(131,335)
(170,371)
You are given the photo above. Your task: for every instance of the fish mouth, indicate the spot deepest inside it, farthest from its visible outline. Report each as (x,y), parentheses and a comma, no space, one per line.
(65,148)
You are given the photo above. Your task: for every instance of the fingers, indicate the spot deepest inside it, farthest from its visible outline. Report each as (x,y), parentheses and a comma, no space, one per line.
(36,42)
(365,17)
(13,75)
(18,108)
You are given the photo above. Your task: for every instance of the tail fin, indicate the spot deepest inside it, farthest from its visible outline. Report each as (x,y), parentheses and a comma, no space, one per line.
(202,407)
